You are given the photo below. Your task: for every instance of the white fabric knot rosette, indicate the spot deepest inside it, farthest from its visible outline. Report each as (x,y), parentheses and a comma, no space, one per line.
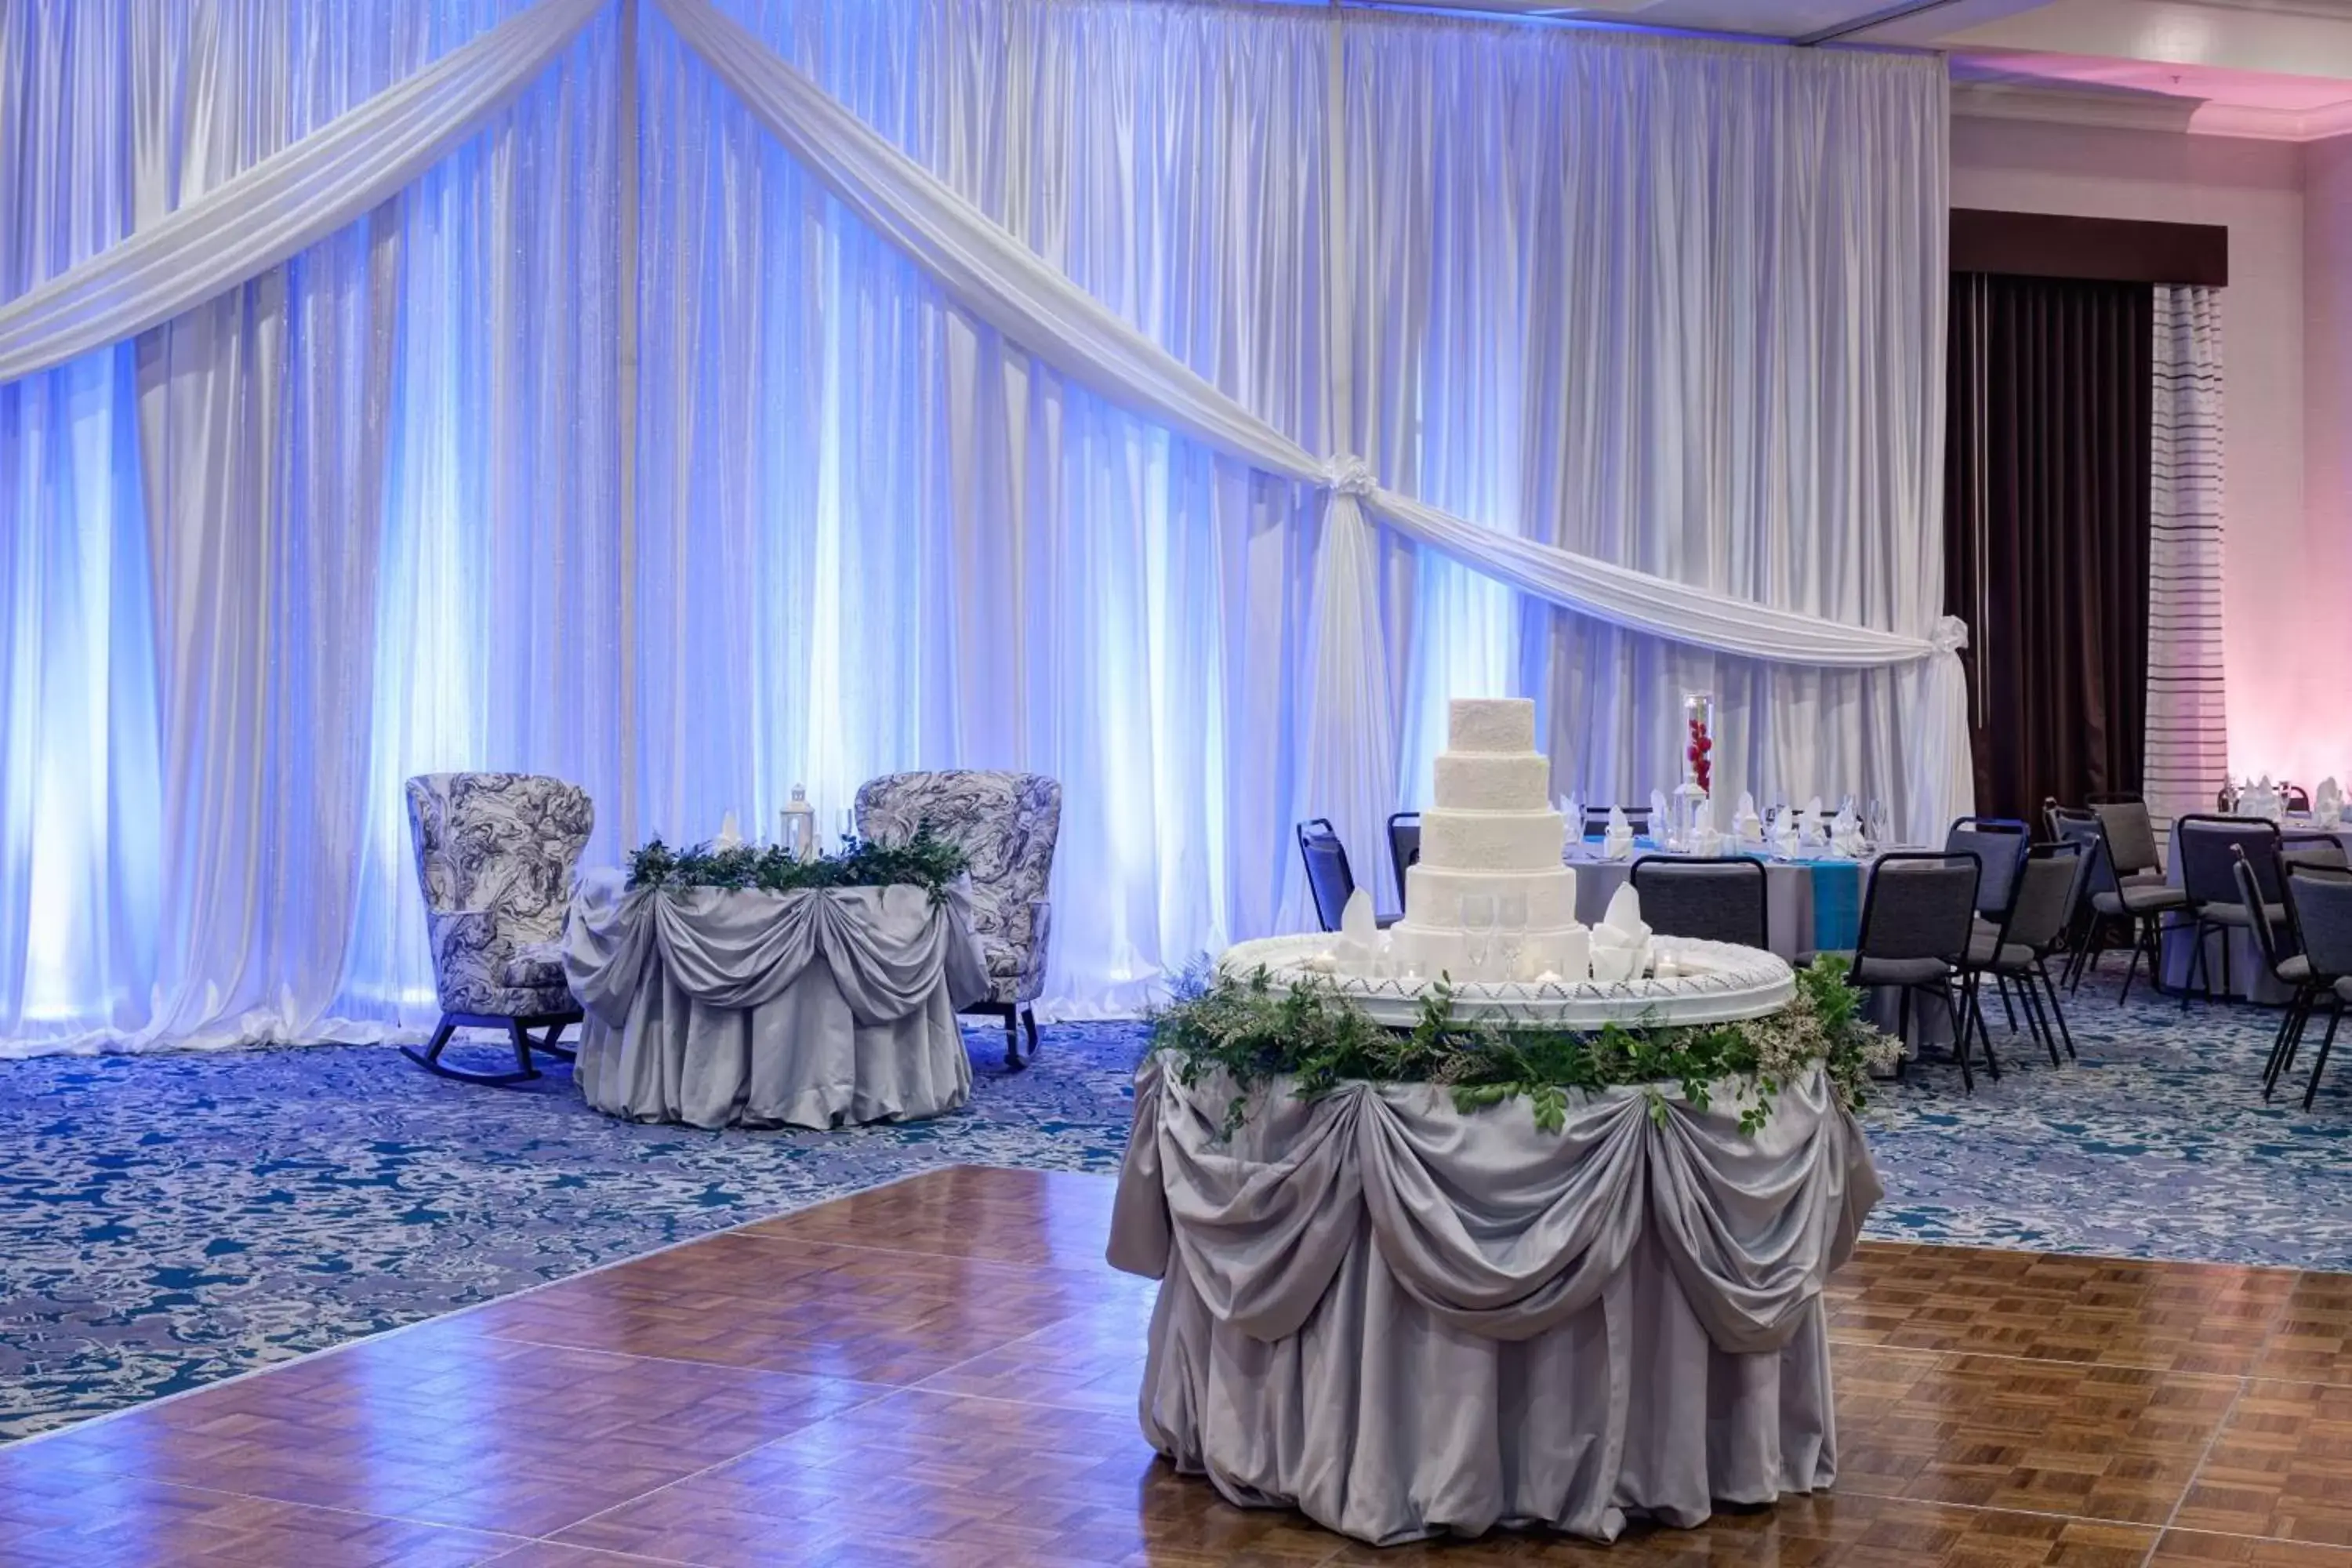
(1620,942)
(1351,476)
(1951,635)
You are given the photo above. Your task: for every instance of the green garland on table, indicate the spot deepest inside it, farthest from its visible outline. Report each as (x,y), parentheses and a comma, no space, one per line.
(1257,1031)
(923,861)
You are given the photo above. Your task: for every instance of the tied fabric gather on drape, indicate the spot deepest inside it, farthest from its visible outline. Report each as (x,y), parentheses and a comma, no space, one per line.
(1334,1263)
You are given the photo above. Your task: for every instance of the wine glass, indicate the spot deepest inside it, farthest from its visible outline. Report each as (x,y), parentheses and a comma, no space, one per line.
(1511,932)
(1882,826)
(1478,929)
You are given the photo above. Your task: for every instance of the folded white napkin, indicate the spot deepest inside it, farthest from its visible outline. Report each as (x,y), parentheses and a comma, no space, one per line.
(1658,817)
(731,835)
(1618,841)
(1845,833)
(1620,942)
(1746,825)
(2327,802)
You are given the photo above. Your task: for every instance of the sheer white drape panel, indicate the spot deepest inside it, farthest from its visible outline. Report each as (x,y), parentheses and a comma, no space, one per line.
(1678,307)
(2188,757)
(888,538)
(266,557)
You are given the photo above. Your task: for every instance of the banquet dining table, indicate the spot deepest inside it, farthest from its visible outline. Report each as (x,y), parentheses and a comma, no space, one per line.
(2250,979)
(817,1007)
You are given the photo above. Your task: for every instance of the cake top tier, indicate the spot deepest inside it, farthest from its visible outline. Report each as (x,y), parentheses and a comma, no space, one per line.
(1492,724)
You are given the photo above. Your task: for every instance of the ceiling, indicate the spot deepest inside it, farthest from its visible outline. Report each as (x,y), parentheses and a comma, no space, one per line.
(2276,69)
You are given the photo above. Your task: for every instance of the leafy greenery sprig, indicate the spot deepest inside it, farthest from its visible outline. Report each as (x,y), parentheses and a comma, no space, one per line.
(1256,1031)
(923,861)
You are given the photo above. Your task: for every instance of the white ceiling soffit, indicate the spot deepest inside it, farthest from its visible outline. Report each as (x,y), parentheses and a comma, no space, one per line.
(2278,69)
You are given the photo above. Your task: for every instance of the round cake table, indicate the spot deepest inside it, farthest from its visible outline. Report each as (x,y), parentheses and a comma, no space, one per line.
(1407,1321)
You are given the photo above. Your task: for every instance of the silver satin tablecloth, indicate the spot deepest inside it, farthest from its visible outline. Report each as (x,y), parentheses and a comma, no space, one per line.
(1405,1321)
(757,1009)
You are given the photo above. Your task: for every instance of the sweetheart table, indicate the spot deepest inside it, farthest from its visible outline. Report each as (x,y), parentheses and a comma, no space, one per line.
(1407,1321)
(810,1008)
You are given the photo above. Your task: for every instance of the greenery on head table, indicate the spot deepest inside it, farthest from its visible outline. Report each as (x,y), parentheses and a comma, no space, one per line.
(1257,1031)
(923,861)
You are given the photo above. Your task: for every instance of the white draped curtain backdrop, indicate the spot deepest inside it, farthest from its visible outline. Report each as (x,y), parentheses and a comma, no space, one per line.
(1548,305)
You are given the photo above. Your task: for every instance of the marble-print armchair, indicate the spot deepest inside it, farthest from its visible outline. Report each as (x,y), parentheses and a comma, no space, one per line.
(1006,823)
(495,855)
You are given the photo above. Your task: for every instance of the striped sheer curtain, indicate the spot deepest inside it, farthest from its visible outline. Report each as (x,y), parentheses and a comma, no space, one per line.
(2187,716)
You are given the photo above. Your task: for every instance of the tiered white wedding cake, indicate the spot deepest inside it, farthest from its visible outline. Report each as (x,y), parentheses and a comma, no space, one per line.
(1492,839)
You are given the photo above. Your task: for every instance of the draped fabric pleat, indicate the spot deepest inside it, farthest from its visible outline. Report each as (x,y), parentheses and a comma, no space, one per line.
(2188,708)
(1647,329)
(2046,544)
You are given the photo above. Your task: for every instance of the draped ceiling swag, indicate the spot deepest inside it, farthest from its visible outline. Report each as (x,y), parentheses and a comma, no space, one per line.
(1348,757)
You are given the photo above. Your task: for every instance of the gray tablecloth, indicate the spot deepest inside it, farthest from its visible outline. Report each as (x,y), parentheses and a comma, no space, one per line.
(1404,1321)
(806,1009)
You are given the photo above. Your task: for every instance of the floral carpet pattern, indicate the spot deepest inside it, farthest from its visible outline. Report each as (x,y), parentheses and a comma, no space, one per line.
(168,1221)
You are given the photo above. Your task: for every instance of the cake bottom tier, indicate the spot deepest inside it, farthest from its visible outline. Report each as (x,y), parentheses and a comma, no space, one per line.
(1434,895)
(1448,950)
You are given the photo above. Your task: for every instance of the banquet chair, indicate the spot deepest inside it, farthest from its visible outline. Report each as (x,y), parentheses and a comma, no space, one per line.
(1404,845)
(2281,952)
(1596,820)
(495,855)
(1710,899)
(1331,879)
(2319,904)
(2041,906)
(1007,825)
(1998,843)
(2140,895)
(2207,846)
(1917,917)
(2320,851)
(2294,797)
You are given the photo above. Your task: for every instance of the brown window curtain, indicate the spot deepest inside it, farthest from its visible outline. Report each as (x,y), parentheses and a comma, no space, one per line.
(2046,531)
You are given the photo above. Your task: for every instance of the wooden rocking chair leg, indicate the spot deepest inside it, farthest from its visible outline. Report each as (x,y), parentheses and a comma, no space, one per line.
(552,1043)
(1013,1039)
(430,1058)
(521,1039)
(1029,1026)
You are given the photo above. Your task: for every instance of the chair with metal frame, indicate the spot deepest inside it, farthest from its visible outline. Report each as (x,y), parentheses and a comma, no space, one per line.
(1330,879)
(1719,899)
(1917,919)
(2207,846)
(2319,906)
(2288,966)
(2043,903)
(2127,835)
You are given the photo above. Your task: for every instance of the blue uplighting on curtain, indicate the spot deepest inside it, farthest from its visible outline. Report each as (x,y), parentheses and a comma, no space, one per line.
(363,517)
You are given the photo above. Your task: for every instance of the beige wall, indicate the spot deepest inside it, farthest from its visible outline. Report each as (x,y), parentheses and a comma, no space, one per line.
(2289,634)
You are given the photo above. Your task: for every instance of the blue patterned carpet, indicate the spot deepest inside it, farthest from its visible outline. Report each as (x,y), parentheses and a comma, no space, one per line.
(167,1221)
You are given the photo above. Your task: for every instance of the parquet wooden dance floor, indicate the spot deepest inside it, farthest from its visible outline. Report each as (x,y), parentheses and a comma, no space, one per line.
(943,1372)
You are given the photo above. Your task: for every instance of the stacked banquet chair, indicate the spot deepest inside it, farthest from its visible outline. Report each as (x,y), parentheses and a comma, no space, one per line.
(2318,908)
(1007,825)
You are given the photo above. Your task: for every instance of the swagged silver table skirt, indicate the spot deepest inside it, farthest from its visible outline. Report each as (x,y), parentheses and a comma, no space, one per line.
(1407,1322)
(803,1009)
